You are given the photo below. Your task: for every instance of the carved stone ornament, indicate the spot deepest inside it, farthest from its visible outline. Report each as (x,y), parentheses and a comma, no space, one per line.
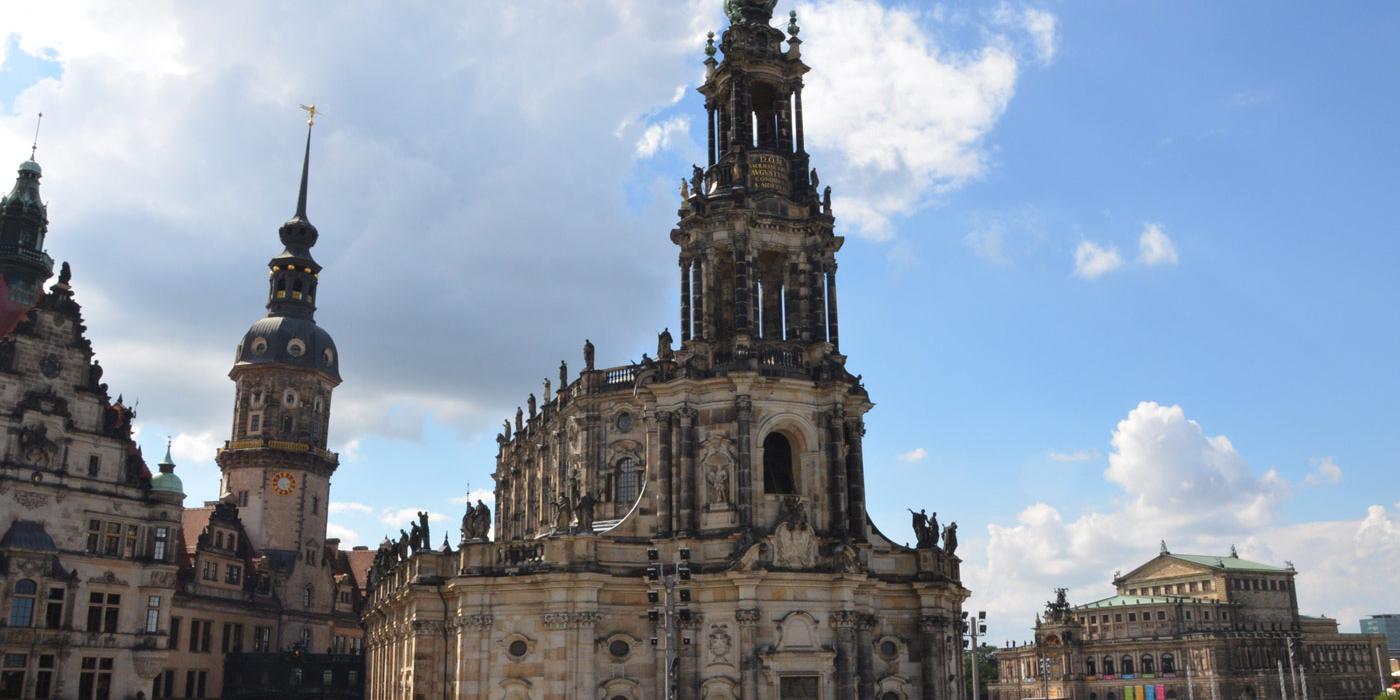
(31,500)
(50,365)
(720,644)
(746,617)
(35,445)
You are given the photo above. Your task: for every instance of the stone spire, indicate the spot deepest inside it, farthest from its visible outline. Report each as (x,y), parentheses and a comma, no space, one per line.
(294,273)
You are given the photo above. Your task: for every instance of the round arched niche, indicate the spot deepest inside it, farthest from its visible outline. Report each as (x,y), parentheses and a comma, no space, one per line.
(624,688)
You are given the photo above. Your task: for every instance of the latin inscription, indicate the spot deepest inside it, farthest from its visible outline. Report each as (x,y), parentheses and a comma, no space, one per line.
(768,172)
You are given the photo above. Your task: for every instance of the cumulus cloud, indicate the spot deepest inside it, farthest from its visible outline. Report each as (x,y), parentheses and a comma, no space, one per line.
(895,114)
(346,536)
(337,507)
(1039,27)
(403,517)
(1155,248)
(1074,456)
(1092,260)
(658,137)
(486,496)
(185,448)
(1174,481)
(1325,471)
(915,455)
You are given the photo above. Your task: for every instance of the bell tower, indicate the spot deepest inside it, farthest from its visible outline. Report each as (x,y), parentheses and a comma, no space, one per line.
(24,266)
(275,465)
(757,258)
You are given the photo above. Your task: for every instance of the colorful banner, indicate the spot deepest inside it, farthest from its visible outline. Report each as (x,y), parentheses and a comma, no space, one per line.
(1161,691)
(1151,692)
(1141,693)
(1128,693)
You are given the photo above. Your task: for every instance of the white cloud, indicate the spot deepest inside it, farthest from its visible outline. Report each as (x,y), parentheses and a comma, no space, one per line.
(1326,472)
(1040,28)
(892,115)
(1092,260)
(659,137)
(1174,481)
(348,537)
(1155,248)
(1074,456)
(403,517)
(337,507)
(915,455)
(200,448)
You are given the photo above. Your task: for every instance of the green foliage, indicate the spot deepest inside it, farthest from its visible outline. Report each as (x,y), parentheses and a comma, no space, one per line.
(987,671)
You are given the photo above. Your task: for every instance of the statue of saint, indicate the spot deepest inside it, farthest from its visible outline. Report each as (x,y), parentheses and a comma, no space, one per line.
(587,354)
(950,538)
(663,344)
(585,513)
(530,401)
(920,524)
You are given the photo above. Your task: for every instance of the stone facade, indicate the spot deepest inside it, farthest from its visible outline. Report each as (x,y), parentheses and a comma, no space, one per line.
(1190,626)
(735,458)
(88,558)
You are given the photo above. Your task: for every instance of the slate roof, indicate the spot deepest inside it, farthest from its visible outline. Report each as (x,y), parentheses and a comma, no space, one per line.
(1122,600)
(27,534)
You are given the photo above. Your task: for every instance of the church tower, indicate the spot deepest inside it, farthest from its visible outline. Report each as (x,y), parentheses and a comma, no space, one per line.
(24,266)
(693,524)
(276,466)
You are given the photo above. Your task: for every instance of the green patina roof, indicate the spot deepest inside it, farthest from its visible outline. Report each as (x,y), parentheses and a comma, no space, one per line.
(1228,563)
(1123,600)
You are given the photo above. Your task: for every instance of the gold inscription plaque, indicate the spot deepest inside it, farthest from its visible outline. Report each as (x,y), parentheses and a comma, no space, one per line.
(769,172)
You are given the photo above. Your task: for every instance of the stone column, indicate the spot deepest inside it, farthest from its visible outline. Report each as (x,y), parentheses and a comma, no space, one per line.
(744,477)
(865,656)
(664,477)
(685,300)
(710,127)
(555,648)
(586,625)
(855,480)
(819,302)
(741,284)
(686,526)
(702,320)
(748,653)
(836,468)
(797,126)
(931,681)
(831,304)
(844,621)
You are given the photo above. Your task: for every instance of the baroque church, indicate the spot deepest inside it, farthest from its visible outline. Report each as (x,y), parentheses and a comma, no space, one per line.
(110,586)
(692,524)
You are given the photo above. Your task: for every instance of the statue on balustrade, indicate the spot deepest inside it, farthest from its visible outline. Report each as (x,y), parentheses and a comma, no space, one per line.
(587,354)
(663,344)
(950,538)
(584,509)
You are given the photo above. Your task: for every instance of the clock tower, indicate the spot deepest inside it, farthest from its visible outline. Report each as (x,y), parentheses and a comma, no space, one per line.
(275,466)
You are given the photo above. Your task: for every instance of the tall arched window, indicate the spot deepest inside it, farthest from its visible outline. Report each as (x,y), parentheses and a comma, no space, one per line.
(1107,665)
(628,481)
(22,603)
(1089,667)
(1147,664)
(777,465)
(1168,663)
(1127,665)
(306,596)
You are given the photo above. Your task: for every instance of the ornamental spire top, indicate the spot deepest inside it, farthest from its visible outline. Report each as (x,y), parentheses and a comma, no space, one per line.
(749,11)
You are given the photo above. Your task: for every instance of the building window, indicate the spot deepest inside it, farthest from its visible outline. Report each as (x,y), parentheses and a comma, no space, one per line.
(289,398)
(201,632)
(53,613)
(255,423)
(306,638)
(94,466)
(152,614)
(132,535)
(12,668)
(233,574)
(798,688)
(43,681)
(262,639)
(103,611)
(1117,617)
(1161,614)
(1127,665)
(174,641)
(286,426)
(112,542)
(311,557)
(628,478)
(161,543)
(164,685)
(327,677)
(257,398)
(1147,664)
(195,682)
(242,499)
(95,681)
(219,539)
(306,595)
(211,571)
(22,603)
(315,505)
(1107,666)
(777,465)
(1168,663)
(1089,667)
(1132,617)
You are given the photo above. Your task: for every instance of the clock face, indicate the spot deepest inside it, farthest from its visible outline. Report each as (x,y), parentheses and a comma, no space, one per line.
(284,483)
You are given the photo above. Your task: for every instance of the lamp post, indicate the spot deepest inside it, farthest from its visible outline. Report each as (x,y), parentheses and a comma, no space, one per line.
(973,627)
(1045,665)
(668,610)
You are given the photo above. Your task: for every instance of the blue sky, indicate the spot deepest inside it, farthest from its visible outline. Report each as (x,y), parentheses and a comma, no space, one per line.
(1113,273)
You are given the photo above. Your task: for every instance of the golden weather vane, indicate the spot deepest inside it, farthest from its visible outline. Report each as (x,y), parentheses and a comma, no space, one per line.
(311,113)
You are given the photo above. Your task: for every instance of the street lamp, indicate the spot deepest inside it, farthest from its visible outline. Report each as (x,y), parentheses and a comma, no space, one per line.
(665,613)
(1045,665)
(972,628)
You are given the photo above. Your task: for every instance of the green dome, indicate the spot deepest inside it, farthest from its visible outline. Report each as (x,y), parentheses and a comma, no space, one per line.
(166,480)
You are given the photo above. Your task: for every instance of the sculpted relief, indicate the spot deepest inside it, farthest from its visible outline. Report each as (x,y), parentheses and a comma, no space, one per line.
(717,458)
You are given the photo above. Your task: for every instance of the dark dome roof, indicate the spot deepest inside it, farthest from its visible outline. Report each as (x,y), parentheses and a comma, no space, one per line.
(270,341)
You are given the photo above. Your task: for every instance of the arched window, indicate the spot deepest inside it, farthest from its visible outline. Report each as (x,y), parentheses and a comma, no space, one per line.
(219,539)
(889,695)
(1093,696)
(1108,667)
(1147,665)
(1089,667)
(1127,665)
(306,596)
(777,465)
(22,603)
(1168,663)
(286,425)
(628,481)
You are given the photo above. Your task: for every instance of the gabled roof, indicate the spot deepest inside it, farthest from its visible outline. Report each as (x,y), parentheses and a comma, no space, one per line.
(360,562)
(1228,563)
(1123,600)
(192,524)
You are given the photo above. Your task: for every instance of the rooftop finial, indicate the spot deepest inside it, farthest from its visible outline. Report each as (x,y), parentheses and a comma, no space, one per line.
(311,113)
(169,440)
(35,148)
(792,28)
